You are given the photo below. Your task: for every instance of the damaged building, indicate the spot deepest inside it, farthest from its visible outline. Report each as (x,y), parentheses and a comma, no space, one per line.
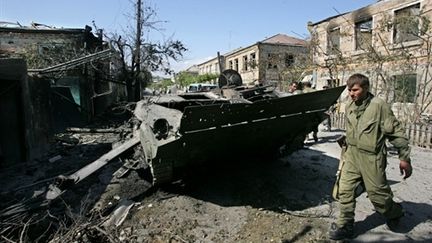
(390,42)
(263,60)
(51,78)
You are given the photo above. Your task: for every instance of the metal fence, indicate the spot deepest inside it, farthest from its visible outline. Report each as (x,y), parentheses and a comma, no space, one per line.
(418,134)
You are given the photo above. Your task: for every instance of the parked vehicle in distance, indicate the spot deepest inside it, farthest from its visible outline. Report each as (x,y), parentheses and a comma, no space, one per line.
(201,87)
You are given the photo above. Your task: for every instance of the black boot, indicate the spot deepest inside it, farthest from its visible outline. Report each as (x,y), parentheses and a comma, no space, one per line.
(392,224)
(340,233)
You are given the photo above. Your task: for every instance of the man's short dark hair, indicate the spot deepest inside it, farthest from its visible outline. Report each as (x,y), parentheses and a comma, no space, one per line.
(359,79)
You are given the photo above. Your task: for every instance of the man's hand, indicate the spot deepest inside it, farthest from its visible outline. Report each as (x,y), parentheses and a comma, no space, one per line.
(405,168)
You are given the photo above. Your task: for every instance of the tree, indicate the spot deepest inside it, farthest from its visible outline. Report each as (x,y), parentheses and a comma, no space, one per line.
(138,55)
(395,52)
(184,78)
(409,88)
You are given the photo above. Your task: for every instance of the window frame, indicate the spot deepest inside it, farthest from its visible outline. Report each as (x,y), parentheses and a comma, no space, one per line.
(236,64)
(331,50)
(409,93)
(289,60)
(357,27)
(253,59)
(394,32)
(245,63)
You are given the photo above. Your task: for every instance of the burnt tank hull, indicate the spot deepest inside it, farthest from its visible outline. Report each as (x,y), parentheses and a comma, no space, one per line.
(176,132)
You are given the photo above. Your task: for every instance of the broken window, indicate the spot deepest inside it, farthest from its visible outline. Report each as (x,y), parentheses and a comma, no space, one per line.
(253,60)
(363,34)
(245,62)
(236,64)
(333,41)
(289,60)
(272,60)
(406,24)
(405,88)
(72,84)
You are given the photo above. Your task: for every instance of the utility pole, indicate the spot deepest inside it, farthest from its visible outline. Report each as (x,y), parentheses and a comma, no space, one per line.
(138,50)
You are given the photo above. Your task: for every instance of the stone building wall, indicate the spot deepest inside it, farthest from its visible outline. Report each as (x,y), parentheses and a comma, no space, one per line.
(16,41)
(210,66)
(243,62)
(252,62)
(381,57)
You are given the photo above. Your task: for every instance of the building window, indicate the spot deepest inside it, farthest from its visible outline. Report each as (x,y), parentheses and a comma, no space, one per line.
(236,64)
(230,64)
(406,24)
(405,88)
(289,60)
(252,60)
(272,61)
(333,41)
(245,63)
(363,34)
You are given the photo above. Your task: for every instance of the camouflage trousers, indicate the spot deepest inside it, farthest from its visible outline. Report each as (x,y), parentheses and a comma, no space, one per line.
(362,168)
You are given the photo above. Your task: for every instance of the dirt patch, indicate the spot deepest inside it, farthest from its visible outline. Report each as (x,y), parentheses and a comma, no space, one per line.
(252,201)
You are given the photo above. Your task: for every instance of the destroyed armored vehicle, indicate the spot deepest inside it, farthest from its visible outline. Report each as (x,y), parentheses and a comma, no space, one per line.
(232,122)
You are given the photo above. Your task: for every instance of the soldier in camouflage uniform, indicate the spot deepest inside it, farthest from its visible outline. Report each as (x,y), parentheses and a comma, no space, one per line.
(369,122)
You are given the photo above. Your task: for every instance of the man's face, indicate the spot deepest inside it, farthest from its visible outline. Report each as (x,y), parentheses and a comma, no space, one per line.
(357,93)
(293,87)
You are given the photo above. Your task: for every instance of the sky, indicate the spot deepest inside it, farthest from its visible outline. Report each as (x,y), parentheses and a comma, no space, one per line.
(205,27)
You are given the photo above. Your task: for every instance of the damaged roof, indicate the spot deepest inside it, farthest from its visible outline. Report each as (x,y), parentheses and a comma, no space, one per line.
(340,14)
(33,30)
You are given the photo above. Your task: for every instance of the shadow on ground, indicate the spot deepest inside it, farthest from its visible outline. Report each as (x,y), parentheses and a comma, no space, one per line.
(415,214)
(299,181)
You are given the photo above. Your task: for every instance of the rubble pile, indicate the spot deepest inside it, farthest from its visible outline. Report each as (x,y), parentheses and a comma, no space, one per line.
(23,207)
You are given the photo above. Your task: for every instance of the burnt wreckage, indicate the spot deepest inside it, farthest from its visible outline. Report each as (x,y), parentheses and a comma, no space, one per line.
(234,121)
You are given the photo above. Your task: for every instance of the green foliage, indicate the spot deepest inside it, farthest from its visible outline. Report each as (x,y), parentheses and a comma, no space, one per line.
(185,78)
(163,84)
(206,77)
(157,56)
